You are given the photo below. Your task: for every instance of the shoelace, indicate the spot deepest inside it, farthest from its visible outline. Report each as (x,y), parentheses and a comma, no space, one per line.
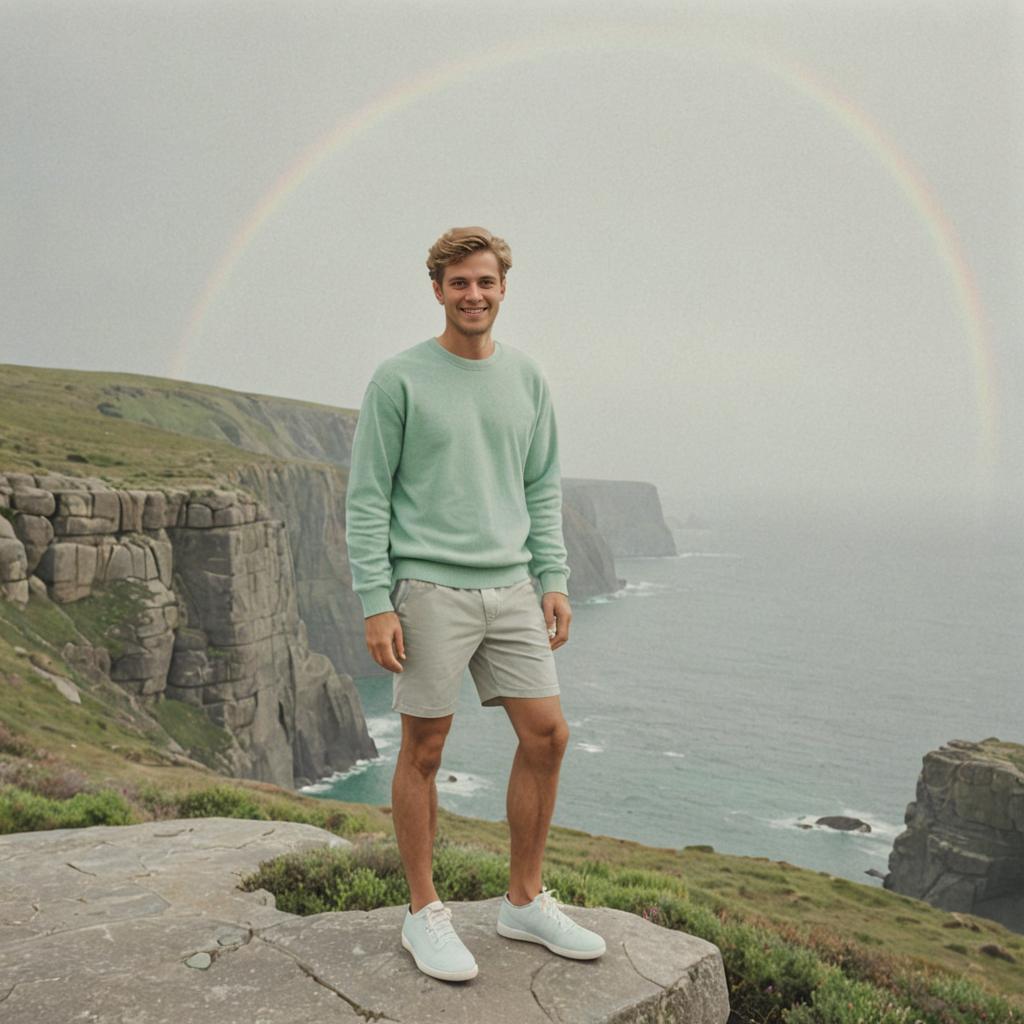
(439,923)
(550,906)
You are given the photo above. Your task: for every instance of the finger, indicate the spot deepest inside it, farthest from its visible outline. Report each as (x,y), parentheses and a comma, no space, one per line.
(385,657)
(552,633)
(400,643)
(562,634)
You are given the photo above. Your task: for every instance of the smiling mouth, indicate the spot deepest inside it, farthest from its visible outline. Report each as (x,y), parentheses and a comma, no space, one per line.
(475,311)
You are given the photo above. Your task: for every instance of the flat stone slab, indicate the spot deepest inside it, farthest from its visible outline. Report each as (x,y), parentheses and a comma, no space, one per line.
(145,924)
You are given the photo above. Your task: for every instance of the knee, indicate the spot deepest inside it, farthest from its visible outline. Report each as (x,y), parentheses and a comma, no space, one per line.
(424,756)
(547,745)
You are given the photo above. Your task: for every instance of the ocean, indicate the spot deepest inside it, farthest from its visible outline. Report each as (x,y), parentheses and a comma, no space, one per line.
(762,678)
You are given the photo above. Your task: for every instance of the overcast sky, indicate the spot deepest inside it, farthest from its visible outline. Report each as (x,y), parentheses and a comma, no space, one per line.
(766,253)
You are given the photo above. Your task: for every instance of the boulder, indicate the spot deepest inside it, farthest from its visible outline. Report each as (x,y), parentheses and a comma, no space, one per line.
(36,533)
(31,500)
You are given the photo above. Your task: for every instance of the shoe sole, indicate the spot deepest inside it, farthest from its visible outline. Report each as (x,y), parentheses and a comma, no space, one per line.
(574,954)
(441,975)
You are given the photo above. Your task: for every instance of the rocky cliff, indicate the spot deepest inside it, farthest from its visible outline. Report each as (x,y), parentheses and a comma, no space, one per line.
(625,513)
(963,848)
(188,595)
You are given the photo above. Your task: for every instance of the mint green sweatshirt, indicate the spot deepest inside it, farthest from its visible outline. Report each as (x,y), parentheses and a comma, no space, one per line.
(455,476)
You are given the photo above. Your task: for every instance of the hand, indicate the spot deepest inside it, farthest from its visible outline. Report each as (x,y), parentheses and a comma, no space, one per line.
(557,615)
(384,638)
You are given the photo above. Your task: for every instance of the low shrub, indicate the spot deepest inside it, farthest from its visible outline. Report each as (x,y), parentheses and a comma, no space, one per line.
(47,778)
(24,811)
(14,743)
(838,999)
(220,802)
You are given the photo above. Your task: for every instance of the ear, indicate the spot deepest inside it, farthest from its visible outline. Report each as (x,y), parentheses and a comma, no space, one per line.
(438,293)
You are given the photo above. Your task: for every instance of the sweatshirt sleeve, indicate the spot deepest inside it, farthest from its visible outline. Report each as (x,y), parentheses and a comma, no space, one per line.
(543,485)
(376,450)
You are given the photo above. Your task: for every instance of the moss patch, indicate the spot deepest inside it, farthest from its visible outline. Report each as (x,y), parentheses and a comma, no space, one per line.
(192,729)
(105,617)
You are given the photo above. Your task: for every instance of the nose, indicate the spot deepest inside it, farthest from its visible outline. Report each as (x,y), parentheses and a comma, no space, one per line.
(473,292)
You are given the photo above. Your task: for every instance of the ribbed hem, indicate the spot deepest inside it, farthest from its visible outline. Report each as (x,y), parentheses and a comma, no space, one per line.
(467,364)
(376,601)
(459,575)
(556,582)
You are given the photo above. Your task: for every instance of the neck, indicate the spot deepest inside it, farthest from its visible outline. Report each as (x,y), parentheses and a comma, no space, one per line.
(469,346)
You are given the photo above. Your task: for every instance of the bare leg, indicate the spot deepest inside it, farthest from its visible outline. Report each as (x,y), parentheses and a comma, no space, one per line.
(532,788)
(414,802)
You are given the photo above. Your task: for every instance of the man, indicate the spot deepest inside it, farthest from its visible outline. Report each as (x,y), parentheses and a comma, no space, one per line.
(454,501)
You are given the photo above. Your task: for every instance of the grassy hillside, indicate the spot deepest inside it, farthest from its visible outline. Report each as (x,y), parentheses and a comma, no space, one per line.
(132,429)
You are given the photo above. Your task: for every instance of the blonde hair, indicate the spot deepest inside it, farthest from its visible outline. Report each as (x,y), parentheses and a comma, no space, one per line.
(458,243)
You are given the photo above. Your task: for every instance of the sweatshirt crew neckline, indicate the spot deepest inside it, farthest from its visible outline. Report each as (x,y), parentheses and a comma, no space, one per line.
(462,361)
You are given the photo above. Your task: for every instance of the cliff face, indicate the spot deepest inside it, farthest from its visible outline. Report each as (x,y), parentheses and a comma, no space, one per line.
(310,499)
(196,601)
(625,513)
(963,848)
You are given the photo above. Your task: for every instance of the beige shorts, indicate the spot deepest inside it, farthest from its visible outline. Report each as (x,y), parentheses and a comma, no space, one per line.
(498,632)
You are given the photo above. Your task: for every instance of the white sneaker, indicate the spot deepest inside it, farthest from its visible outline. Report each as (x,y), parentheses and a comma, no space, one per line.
(542,921)
(438,951)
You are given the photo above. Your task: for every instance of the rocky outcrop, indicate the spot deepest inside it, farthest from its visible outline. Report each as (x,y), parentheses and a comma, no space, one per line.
(963,848)
(199,588)
(625,513)
(147,923)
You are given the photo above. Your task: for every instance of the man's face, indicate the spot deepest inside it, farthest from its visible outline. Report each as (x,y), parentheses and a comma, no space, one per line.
(472,292)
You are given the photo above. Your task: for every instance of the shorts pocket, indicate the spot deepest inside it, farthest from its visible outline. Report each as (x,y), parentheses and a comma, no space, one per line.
(399,593)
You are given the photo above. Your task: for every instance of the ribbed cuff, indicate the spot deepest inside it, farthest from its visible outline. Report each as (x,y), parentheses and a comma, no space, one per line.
(376,601)
(554,581)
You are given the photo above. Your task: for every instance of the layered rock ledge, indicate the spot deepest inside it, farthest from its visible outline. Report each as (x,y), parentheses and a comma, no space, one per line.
(146,923)
(202,586)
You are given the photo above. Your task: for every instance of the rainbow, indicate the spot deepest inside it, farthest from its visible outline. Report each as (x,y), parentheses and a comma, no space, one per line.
(672,42)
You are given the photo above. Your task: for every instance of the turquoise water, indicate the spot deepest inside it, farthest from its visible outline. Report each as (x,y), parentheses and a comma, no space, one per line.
(760,680)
